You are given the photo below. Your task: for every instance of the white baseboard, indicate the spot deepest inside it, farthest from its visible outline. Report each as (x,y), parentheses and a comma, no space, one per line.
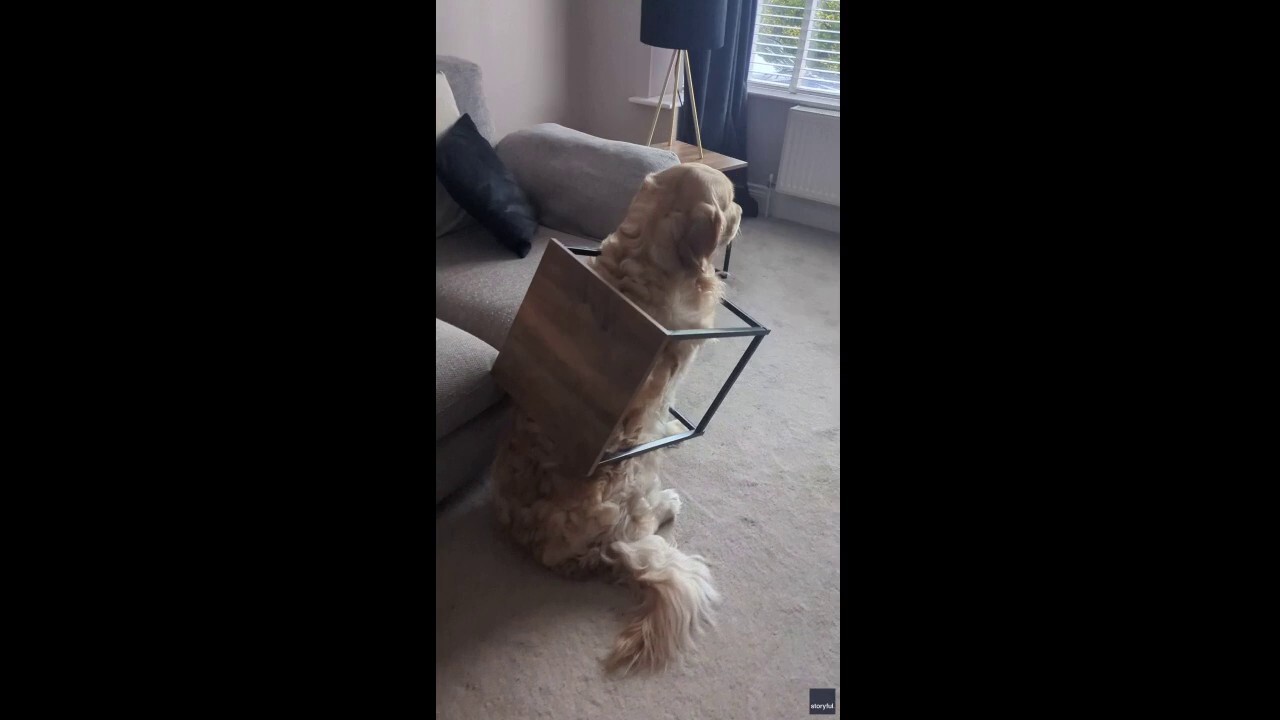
(797,210)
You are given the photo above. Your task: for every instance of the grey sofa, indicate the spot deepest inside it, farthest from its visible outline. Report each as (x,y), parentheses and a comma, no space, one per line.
(581,186)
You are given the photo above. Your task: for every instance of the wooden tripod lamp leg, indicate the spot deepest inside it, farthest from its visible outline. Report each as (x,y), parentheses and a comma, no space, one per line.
(675,93)
(657,112)
(693,102)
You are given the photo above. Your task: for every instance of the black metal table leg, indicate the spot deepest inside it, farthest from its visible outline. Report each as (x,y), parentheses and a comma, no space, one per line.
(728,250)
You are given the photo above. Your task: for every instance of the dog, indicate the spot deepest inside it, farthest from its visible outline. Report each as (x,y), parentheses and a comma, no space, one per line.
(660,258)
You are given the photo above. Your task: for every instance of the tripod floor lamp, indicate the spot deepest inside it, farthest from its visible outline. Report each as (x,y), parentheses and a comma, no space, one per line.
(681,25)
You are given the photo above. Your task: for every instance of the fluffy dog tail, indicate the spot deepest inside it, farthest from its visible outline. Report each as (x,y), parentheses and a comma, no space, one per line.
(678,598)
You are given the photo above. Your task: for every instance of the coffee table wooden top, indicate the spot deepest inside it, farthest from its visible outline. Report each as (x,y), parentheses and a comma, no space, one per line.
(689,154)
(576,355)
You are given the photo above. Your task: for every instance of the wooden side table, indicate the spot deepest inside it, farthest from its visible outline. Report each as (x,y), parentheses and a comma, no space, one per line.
(580,397)
(689,154)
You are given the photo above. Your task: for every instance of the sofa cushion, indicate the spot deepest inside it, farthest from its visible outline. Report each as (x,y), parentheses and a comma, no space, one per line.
(446,107)
(468,91)
(479,285)
(580,183)
(464,388)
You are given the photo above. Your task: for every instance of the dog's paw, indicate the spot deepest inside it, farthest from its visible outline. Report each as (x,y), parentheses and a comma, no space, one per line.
(669,506)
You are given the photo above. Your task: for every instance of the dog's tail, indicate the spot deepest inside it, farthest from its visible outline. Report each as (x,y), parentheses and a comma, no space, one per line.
(677,603)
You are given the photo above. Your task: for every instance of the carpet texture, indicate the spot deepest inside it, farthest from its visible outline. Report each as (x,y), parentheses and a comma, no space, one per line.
(761,494)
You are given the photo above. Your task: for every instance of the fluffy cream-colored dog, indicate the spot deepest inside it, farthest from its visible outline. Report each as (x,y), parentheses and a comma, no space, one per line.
(660,258)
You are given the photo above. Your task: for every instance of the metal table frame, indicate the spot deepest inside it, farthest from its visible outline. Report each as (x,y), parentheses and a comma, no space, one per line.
(755,331)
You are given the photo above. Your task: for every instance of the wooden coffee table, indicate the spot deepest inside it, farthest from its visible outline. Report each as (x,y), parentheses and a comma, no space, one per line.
(689,154)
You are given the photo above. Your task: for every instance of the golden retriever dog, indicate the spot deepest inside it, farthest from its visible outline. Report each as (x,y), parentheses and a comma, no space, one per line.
(660,258)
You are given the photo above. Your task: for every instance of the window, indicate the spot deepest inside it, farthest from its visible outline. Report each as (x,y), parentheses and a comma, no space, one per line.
(797,46)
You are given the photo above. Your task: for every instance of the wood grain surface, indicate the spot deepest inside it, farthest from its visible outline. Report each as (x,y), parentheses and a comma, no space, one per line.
(576,355)
(689,154)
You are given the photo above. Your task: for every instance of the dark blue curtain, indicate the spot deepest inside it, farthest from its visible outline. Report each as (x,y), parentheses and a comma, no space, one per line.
(720,88)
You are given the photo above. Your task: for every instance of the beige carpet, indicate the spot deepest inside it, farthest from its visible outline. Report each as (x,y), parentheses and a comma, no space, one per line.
(761,497)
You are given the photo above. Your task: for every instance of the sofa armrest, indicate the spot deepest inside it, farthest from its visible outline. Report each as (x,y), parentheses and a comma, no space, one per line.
(580,184)
(468,91)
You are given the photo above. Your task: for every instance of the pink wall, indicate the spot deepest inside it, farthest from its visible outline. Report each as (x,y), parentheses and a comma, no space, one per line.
(573,62)
(522,47)
(609,65)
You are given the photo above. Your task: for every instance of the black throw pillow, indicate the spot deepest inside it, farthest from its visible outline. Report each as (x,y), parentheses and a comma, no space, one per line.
(475,177)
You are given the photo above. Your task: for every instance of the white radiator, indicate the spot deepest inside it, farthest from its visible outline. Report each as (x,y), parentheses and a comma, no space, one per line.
(810,166)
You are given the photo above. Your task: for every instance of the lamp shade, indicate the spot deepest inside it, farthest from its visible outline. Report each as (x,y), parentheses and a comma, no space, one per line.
(683,24)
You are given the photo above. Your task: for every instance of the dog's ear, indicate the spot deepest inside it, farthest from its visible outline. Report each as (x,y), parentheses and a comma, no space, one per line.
(702,229)
(641,206)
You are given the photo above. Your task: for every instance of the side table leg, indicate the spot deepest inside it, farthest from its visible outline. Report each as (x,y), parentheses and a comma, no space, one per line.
(728,250)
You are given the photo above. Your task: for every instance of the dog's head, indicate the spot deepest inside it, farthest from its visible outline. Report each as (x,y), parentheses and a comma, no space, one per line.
(683,215)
